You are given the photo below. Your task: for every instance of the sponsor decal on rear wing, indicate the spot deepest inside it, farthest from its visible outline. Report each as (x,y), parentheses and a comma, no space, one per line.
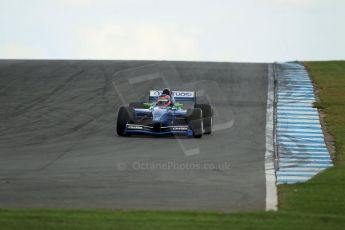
(178,95)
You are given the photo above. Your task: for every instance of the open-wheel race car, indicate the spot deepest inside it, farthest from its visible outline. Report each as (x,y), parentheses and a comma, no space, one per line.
(165,114)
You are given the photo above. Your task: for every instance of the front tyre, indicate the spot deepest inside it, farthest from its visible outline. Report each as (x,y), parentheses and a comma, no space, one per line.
(196,123)
(123,118)
(206,117)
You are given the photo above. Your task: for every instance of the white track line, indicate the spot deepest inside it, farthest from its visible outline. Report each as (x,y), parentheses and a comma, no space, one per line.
(302,143)
(304,178)
(300,153)
(298,120)
(271,189)
(298,117)
(299,130)
(311,173)
(302,169)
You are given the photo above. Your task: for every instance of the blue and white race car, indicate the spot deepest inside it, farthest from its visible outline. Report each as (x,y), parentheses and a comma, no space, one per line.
(165,114)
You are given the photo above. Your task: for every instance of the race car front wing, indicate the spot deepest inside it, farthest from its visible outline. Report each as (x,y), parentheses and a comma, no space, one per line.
(158,129)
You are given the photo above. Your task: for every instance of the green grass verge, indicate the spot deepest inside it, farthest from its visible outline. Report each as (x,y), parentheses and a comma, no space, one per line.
(105,219)
(317,204)
(325,193)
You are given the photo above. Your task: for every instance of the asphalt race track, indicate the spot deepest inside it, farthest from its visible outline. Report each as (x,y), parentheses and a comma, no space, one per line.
(58,146)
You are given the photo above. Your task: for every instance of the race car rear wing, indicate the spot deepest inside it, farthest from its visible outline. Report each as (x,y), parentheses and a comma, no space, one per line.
(178,95)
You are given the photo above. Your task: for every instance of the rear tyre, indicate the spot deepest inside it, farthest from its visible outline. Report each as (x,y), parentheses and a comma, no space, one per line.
(196,122)
(206,117)
(138,105)
(124,117)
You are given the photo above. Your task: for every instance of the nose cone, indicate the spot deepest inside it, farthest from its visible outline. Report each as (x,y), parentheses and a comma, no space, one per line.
(158,115)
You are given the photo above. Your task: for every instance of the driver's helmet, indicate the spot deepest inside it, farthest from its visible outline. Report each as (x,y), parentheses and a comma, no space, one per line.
(164,100)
